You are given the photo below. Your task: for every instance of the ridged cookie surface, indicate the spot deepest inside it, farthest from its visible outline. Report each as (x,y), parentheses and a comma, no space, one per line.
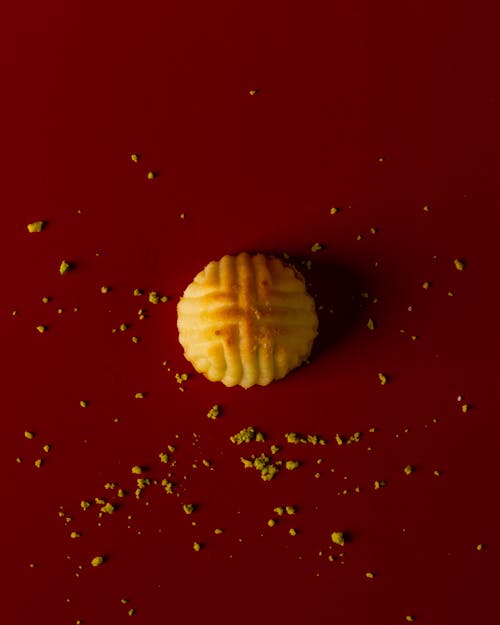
(246,320)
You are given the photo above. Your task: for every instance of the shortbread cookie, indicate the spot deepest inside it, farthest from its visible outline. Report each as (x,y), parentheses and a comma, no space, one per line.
(246,320)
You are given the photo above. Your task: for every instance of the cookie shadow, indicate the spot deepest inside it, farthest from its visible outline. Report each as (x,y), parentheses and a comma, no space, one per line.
(340,295)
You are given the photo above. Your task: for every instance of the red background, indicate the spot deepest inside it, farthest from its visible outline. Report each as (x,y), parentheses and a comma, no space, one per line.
(378,108)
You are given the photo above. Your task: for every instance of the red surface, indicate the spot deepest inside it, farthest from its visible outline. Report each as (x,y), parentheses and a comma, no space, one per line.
(377,108)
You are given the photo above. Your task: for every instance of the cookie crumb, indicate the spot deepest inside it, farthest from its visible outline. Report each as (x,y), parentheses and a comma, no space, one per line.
(64,267)
(370,575)
(214,412)
(135,158)
(383,378)
(97,561)
(41,329)
(370,324)
(408,469)
(29,435)
(338,538)
(459,264)
(84,403)
(36,226)
(317,247)
(151,175)
(197,546)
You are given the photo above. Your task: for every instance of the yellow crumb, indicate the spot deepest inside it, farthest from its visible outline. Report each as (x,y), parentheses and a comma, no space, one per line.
(131,612)
(45,300)
(290,509)
(317,247)
(83,403)
(38,463)
(274,449)
(218,531)
(122,327)
(188,508)
(436,472)
(19,460)
(138,292)
(137,470)
(339,439)
(46,448)
(426,285)
(29,435)
(135,158)
(135,339)
(271,522)
(246,435)
(480,547)
(84,505)
(181,377)
(279,511)
(293,532)
(109,485)
(373,230)
(459,264)
(383,378)
(139,395)
(253,91)
(64,267)
(292,437)
(171,448)
(163,457)
(378,484)
(99,501)
(465,407)
(450,294)
(75,535)
(105,289)
(154,297)
(410,618)
(338,538)
(36,226)
(41,329)
(196,546)
(370,324)
(291,465)
(214,412)
(108,508)
(426,208)
(370,575)
(151,175)
(121,492)
(97,561)
(334,210)
(408,469)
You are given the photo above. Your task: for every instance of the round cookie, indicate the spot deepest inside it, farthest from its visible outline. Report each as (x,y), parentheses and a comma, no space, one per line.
(246,320)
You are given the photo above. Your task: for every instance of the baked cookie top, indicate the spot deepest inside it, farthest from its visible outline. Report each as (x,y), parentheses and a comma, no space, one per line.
(246,320)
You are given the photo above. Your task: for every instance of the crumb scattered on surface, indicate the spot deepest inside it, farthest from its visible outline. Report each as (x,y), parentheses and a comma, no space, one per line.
(97,561)
(408,469)
(188,508)
(293,532)
(370,575)
(253,91)
(64,267)
(459,264)
(105,289)
(370,324)
(38,463)
(338,538)
(83,403)
(317,247)
(41,329)
(36,226)
(137,470)
(151,175)
(214,412)
(135,158)
(139,395)
(197,546)
(334,210)
(291,465)
(383,378)
(479,547)
(426,285)
(29,435)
